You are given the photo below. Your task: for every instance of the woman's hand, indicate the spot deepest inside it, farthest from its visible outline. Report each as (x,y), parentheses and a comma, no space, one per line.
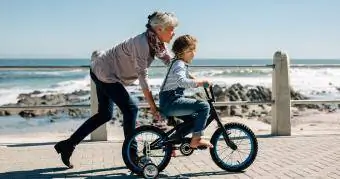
(157,115)
(153,107)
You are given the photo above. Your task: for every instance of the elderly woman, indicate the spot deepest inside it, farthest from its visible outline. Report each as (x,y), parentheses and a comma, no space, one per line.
(117,67)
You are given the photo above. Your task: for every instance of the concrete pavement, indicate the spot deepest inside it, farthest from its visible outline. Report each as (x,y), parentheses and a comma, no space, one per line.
(300,156)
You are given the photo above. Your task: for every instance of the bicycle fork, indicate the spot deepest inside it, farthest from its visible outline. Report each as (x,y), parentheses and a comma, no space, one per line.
(225,134)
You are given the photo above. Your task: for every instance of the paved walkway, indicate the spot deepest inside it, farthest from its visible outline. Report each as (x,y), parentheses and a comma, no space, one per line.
(316,156)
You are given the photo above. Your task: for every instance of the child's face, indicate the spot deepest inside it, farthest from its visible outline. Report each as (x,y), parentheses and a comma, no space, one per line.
(189,54)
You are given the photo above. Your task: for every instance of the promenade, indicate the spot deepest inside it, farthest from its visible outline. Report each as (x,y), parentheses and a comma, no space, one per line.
(296,156)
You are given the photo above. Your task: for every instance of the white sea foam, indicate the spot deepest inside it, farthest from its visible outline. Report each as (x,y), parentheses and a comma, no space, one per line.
(10,95)
(321,83)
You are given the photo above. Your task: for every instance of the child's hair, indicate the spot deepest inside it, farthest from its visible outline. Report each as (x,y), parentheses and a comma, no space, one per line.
(182,43)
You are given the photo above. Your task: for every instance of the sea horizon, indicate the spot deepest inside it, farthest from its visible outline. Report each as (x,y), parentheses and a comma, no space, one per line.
(199,58)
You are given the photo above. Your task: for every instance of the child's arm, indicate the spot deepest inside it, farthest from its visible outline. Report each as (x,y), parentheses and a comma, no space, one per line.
(180,71)
(198,82)
(191,76)
(179,74)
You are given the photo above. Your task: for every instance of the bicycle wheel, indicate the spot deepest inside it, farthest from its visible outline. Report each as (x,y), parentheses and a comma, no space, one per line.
(234,160)
(160,154)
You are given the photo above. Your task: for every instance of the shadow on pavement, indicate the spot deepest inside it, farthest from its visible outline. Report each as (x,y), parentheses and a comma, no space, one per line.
(199,174)
(63,172)
(49,143)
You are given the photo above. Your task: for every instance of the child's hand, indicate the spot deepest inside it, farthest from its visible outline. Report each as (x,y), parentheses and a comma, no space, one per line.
(204,83)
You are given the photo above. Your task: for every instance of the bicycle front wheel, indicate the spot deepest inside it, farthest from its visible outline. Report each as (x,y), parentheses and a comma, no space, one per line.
(229,159)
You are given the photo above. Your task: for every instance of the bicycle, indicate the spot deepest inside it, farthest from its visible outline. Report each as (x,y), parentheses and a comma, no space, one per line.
(146,162)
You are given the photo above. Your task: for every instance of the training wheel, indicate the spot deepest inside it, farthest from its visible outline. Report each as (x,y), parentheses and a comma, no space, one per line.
(150,170)
(185,149)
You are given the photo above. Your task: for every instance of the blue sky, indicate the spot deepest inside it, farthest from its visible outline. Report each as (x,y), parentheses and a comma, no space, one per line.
(224,28)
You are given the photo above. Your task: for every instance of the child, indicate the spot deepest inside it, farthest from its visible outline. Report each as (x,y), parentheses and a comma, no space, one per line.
(172,100)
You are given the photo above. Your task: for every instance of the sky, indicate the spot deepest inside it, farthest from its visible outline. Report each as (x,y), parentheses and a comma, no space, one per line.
(305,29)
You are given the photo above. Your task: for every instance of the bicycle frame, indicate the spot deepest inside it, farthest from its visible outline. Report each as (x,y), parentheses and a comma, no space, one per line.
(176,137)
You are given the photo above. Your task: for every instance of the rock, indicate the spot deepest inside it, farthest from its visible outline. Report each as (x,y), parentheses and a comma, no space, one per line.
(243,96)
(27,114)
(35,92)
(5,113)
(31,99)
(218,91)
(266,119)
(235,92)
(235,111)
(140,98)
(223,111)
(337,88)
(81,92)
(77,112)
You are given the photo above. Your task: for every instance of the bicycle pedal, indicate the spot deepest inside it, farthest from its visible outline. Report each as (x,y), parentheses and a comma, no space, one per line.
(202,147)
(175,147)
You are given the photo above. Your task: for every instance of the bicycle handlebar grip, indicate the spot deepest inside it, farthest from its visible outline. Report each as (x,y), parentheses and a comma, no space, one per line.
(206,85)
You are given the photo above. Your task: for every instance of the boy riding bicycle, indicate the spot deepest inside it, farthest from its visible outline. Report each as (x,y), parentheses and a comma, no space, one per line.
(172,100)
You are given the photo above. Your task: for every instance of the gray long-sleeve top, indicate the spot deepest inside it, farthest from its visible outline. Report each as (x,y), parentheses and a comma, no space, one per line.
(125,62)
(178,77)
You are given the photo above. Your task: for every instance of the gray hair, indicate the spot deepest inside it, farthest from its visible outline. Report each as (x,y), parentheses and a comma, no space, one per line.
(163,19)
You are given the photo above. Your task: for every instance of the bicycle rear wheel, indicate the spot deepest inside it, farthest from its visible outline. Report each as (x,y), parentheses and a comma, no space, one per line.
(234,160)
(160,155)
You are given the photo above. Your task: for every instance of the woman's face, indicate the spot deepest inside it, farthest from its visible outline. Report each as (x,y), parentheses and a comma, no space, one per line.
(166,34)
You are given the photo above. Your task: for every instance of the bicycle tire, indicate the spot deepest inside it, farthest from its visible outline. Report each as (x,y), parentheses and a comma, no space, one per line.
(251,157)
(126,146)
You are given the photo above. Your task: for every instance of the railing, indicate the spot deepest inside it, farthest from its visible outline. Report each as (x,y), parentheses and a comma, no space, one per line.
(316,66)
(141,105)
(281,103)
(315,101)
(42,67)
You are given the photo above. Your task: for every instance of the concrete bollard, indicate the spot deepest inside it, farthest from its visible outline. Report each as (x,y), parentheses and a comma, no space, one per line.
(280,125)
(100,134)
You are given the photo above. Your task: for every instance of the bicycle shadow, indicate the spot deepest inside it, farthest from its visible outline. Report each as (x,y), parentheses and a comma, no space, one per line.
(62,172)
(199,174)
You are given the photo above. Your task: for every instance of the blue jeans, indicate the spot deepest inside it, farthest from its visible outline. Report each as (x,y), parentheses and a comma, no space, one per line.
(173,103)
(108,94)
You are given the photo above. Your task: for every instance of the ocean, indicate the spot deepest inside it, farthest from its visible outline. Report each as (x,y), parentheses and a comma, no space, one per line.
(316,82)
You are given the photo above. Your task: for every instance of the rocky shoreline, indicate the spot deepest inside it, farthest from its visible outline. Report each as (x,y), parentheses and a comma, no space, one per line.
(38,98)
(235,92)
